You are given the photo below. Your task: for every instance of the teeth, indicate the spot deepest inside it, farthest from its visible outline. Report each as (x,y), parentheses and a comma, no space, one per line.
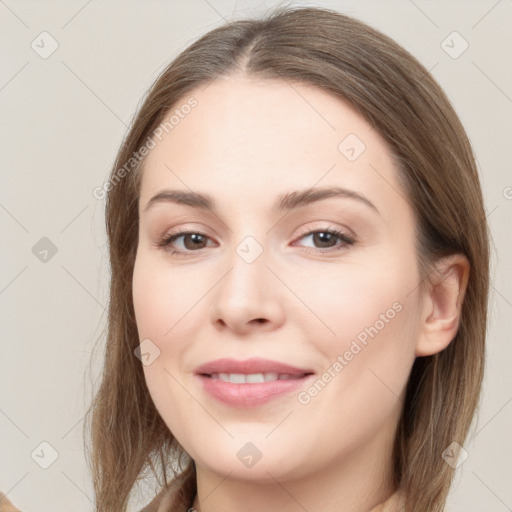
(242,378)
(285,376)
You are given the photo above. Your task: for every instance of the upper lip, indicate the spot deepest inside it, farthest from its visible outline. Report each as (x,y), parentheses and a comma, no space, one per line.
(247,366)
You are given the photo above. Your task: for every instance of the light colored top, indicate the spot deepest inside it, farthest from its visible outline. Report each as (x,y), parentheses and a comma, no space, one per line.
(165,502)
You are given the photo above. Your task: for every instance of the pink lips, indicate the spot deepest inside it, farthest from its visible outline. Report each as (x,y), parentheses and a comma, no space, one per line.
(252,393)
(253,365)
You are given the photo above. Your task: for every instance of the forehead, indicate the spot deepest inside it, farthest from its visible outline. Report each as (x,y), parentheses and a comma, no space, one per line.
(249,139)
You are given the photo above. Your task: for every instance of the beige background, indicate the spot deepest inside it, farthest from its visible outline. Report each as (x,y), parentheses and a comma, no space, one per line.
(63,118)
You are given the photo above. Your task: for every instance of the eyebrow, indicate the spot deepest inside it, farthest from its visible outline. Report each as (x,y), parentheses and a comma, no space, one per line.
(284,202)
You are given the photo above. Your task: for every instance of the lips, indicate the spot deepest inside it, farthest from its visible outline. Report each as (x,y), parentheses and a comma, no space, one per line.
(250,366)
(251,382)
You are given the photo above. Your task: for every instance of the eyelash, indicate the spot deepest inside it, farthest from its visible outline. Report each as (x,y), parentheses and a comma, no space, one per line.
(347,240)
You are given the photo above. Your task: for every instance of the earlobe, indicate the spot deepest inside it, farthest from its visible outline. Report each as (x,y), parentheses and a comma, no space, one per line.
(442,305)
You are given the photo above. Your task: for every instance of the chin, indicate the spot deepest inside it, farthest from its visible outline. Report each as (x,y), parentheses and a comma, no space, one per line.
(252,462)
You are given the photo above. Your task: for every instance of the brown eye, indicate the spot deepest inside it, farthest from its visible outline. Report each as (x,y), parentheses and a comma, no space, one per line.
(324,238)
(191,242)
(196,241)
(327,239)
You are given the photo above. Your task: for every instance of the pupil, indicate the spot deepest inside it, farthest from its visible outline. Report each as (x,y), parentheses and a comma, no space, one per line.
(196,239)
(324,237)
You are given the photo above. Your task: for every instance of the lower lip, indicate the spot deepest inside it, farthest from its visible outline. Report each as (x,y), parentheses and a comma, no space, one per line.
(251,394)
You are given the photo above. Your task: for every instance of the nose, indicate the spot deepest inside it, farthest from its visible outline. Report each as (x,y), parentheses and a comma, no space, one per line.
(249,297)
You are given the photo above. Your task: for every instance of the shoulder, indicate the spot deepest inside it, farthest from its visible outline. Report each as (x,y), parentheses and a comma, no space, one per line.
(6,505)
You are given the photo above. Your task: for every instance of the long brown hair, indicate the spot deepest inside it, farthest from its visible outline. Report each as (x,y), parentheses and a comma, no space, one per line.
(399,98)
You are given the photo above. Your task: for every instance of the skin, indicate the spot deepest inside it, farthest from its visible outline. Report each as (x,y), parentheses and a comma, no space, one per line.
(246,142)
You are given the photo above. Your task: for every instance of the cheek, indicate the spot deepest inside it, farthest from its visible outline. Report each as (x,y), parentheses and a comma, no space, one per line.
(170,398)
(163,302)
(159,305)
(162,297)
(155,301)
(367,363)
(369,323)
(345,303)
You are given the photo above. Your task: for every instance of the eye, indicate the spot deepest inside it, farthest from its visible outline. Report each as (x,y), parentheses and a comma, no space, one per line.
(192,240)
(326,238)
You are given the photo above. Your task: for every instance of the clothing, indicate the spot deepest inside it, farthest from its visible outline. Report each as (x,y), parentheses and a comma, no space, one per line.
(165,502)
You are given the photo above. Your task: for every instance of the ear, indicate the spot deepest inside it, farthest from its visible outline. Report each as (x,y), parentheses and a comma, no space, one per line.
(442,303)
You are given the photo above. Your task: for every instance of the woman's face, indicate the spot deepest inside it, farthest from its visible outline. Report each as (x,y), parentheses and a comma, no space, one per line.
(265,279)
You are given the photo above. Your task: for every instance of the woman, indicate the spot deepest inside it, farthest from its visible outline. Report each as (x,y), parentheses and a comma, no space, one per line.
(295,189)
